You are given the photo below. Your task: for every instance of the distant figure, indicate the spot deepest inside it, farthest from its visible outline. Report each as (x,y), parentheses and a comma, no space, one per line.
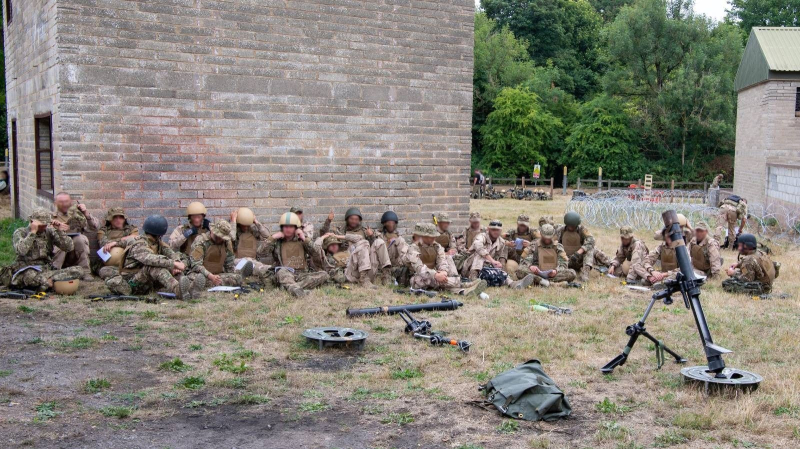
(479,183)
(717,180)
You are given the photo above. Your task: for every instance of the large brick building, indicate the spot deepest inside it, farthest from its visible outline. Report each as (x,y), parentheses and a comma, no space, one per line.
(767,166)
(261,103)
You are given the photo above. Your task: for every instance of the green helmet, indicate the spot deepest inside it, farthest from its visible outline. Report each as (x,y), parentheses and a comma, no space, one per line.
(748,240)
(353,211)
(572,219)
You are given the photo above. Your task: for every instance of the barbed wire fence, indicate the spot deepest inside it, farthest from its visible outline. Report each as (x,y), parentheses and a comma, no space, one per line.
(642,211)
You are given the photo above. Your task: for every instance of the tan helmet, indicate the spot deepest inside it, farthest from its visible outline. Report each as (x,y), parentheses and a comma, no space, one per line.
(68,287)
(116,257)
(115,211)
(221,229)
(547,231)
(683,220)
(245,216)
(196,208)
(475,217)
(289,219)
(41,215)
(524,220)
(626,232)
(494,224)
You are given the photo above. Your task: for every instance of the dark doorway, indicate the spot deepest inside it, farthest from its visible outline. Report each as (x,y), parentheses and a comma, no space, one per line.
(14,170)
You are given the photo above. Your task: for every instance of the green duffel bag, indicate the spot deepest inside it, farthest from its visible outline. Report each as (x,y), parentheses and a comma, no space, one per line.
(526,392)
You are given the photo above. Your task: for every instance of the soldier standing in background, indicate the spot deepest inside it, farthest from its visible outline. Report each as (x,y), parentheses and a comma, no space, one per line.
(183,236)
(79,220)
(34,246)
(732,210)
(630,258)
(547,261)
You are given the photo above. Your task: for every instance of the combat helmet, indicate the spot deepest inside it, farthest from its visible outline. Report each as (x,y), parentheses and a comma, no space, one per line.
(245,216)
(155,225)
(389,216)
(748,240)
(330,240)
(289,219)
(353,211)
(572,219)
(426,230)
(196,208)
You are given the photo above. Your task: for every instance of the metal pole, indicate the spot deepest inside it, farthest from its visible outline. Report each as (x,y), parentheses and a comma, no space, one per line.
(672,191)
(564,181)
(579,183)
(552,181)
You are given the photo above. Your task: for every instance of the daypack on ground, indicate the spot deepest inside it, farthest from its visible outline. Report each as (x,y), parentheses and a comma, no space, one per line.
(526,392)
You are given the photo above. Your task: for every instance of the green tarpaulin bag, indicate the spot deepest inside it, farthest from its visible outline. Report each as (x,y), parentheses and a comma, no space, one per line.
(526,392)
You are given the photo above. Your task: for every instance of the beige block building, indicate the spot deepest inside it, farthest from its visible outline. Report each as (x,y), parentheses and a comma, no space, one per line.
(767,165)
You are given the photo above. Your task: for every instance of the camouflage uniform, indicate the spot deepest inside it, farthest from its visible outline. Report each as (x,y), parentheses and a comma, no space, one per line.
(36,250)
(581,238)
(292,270)
(108,234)
(180,243)
(666,257)
(397,248)
(755,273)
(305,226)
(706,254)
(248,245)
(325,261)
(716,182)
(79,255)
(468,237)
(631,258)
(482,247)
(424,261)
(368,254)
(207,258)
(528,234)
(730,214)
(147,265)
(547,257)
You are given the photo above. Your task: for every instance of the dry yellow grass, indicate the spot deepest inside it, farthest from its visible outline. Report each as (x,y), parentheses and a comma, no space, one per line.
(397,379)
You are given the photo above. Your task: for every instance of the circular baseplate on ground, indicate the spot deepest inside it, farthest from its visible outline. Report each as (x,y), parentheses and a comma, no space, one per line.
(336,336)
(731,377)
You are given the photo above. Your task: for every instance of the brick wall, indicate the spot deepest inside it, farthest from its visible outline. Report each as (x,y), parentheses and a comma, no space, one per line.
(31,85)
(266,104)
(767,133)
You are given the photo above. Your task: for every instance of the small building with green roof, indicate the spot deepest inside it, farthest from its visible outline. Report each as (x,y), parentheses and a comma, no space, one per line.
(767,166)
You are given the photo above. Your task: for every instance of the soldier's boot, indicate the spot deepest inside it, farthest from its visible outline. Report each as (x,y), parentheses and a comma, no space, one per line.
(365,282)
(474,274)
(174,286)
(247,270)
(584,276)
(522,283)
(385,276)
(118,285)
(473,288)
(296,290)
(542,282)
(184,290)
(87,275)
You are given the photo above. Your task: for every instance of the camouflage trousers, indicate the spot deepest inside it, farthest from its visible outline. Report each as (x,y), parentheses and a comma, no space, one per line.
(402,275)
(366,258)
(228,279)
(38,280)
(726,217)
(300,280)
(336,276)
(427,281)
(593,258)
(140,282)
(108,272)
(734,285)
(264,272)
(78,257)
(567,275)
(472,266)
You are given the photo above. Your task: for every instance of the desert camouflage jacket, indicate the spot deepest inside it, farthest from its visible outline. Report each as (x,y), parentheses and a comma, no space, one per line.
(77,221)
(415,265)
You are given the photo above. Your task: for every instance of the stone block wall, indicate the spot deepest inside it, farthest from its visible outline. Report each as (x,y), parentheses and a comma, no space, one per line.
(767,136)
(265,104)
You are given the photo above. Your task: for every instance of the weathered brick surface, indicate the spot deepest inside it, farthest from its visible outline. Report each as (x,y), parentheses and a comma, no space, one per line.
(767,142)
(259,103)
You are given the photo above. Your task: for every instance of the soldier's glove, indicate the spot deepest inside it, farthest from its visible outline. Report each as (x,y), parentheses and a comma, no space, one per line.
(206,223)
(189,232)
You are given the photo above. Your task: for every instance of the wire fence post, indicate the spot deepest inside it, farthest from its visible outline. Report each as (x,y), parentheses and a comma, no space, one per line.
(672,191)
(552,181)
(579,183)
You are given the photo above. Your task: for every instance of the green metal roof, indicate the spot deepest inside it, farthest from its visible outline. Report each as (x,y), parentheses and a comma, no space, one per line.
(769,50)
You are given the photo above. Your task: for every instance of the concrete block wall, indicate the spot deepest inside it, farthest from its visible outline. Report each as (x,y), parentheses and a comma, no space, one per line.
(31,85)
(767,135)
(266,104)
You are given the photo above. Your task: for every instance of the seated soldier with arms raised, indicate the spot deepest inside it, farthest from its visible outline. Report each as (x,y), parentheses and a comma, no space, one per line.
(546,261)
(490,250)
(183,236)
(429,268)
(291,251)
(110,236)
(630,258)
(148,264)
(755,272)
(212,256)
(34,245)
(248,238)
(79,220)
(518,240)
(705,251)
(369,258)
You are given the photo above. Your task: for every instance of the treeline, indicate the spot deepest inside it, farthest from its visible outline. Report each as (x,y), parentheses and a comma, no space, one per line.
(635,87)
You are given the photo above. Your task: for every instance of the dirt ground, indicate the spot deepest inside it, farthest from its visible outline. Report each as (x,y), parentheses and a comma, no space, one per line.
(76,373)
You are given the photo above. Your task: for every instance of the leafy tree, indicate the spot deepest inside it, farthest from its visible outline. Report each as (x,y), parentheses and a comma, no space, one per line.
(562,32)
(603,137)
(774,13)
(518,133)
(500,61)
(677,69)
(609,9)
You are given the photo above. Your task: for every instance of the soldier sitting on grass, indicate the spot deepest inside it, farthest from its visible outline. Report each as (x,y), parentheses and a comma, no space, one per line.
(547,261)
(754,273)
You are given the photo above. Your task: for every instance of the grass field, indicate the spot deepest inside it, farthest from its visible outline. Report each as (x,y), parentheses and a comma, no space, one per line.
(221,372)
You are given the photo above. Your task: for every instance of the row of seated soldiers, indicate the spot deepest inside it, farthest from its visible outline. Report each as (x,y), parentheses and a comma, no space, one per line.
(201,253)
